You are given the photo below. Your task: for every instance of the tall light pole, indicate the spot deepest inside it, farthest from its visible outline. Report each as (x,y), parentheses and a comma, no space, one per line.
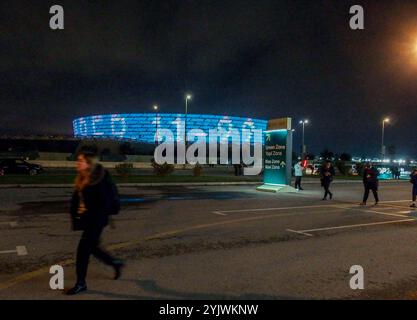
(386,120)
(187,98)
(155,108)
(303,146)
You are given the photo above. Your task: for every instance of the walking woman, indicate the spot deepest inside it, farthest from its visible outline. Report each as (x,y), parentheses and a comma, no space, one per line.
(326,177)
(95,197)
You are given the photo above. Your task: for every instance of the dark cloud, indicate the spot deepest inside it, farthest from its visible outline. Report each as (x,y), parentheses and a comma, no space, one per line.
(257,58)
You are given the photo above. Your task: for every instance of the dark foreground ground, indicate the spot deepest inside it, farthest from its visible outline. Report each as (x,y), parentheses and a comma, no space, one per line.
(218,243)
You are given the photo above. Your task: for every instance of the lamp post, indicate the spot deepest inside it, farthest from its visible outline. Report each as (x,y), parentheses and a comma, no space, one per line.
(303,146)
(155,108)
(187,98)
(386,120)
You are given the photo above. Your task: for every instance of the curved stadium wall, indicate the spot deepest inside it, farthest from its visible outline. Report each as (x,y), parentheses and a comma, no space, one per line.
(141,127)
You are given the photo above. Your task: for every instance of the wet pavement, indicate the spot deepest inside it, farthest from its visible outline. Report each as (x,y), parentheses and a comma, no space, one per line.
(218,242)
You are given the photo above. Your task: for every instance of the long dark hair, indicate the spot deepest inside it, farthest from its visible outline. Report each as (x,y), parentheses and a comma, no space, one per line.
(83,179)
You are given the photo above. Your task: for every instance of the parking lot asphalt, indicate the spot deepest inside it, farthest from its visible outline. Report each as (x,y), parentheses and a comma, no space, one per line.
(218,242)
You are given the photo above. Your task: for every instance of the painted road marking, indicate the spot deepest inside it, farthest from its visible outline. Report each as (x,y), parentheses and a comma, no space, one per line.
(225,212)
(20,251)
(396,206)
(11,224)
(300,232)
(348,206)
(330,209)
(220,213)
(373,211)
(354,225)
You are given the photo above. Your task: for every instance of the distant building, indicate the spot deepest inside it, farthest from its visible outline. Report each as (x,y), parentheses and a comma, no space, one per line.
(141,127)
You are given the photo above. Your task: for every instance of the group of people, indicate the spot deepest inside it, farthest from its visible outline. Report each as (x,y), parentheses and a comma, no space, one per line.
(370,181)
(95,198)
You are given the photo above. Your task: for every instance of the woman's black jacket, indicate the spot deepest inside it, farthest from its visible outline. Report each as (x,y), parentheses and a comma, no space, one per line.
(97,199)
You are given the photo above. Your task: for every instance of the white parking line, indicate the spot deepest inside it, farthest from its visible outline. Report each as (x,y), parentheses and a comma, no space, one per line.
(11,223)
(353,226)
(348,206)
(220,213)
(225,212)
(300,232)
(395,206)
(374,211)
(20,251)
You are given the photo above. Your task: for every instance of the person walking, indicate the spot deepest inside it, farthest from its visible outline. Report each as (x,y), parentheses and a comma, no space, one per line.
(397,173)
(95,198)
(370,182)
(413,180)
(327,173)
(298,173)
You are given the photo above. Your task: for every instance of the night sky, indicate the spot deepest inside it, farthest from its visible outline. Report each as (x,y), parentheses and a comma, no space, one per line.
(262,59)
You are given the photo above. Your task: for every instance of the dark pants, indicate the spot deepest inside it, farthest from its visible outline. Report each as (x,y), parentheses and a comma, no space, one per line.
(326,186)
(298,182)
(374,189)
(414,193)
(89,244)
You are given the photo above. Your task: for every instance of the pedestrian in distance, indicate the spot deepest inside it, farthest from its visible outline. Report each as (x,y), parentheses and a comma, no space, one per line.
(327,173)
(298,173)
(95,198)
(397,173)
(370,182)
(413,180)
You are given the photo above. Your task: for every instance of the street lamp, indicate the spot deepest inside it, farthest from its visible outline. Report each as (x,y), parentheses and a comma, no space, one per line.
(187,98)
(386,120)
(303,146)
(155,108)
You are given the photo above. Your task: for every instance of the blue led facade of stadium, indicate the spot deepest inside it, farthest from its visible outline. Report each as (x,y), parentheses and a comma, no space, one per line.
(142,127)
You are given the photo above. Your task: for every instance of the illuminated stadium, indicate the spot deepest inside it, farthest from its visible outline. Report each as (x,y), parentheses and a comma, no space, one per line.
(141,127)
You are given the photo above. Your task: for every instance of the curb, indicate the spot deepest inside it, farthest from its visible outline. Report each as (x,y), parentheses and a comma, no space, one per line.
(178,184)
